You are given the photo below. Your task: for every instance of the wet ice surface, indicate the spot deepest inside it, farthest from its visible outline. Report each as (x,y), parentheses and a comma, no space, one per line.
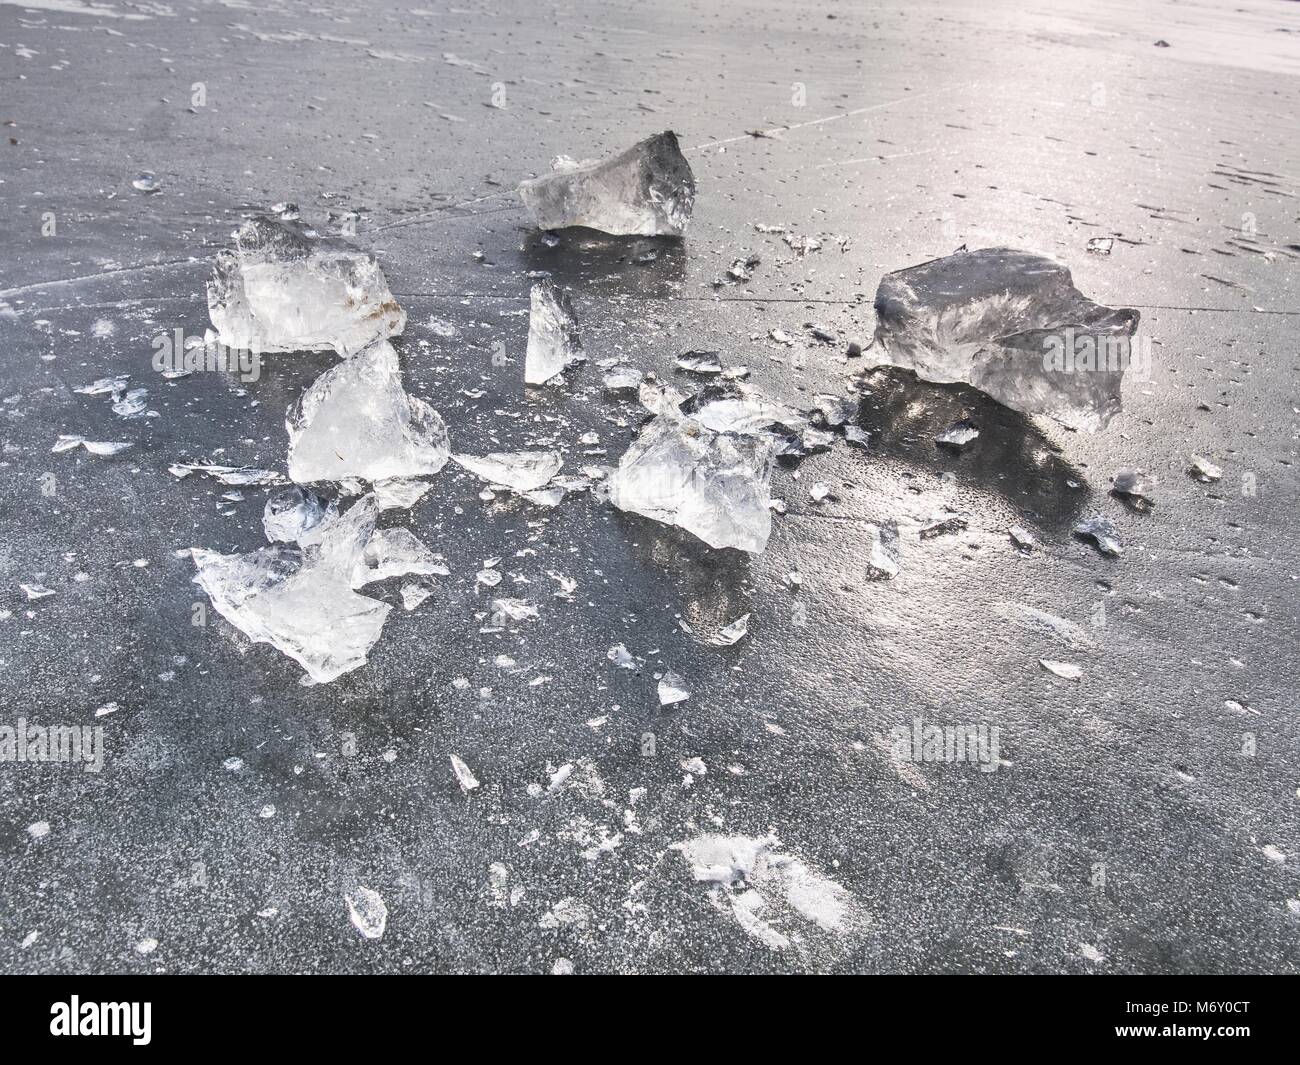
(790,720)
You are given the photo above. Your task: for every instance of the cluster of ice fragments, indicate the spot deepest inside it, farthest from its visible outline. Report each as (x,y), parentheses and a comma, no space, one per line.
(702,462)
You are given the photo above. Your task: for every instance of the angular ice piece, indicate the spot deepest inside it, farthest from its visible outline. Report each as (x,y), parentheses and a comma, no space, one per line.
(701,362)
(395,553)
(233,475)
(367,912)
(464,775)
(957,435)
(622,378)
(712,484)
(1204,470)
(105,385)
(1064,670)
(522,471)
(621,656)
(648,190)
(553,341)
(95,447)
(1135,484)
(292,515)
(282,289)
(414,594)
(1102,532)
(36,591)
(672,689)
(131,403)
(834,410)
(357,420)
(399,493)
(1013,325)
(732,633)
(882,551)
(301,601)
(1023,539)
(514,609)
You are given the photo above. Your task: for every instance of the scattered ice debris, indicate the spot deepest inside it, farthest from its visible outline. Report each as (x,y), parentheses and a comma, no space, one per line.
(105,385)
(301,601)
(648,190)
(395,553)
(1100,245)
(36,591)
(1064,670)
(283,289)
(1134,484)
(700,362)
(131,403)
(293,515)
(232,475)
(553,340)
(464,775)
(521,471)
(414,594)
(766,891)
(1102,532)
(357,421)
(712,484)
(621,657)
(95,447)
(147,183)
(740,270)
(695,766)
(1013,325)
(1202,469)
(622,378)
(731,634)
(1023,539)
(367,912)
(883,552)
(672,689)
(957,435)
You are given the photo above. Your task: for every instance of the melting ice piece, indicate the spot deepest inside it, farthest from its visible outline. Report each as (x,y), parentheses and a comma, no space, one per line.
(395,493)
(1064,670)
(1013,325)
(357,421)
(957,435)
(1204,470)
(621,656)
(234,475)
(622,378)
(464,775)
(300,600)
(672,689)
(282,289)
(648,190)
(1135,484)
(732,633)
(553,341)
(712,484)
(293,515)
(395,553)
(1023,539)
(523,471)
(1102,532)
(95,447)
(701,362)
(882,551)
(367,912)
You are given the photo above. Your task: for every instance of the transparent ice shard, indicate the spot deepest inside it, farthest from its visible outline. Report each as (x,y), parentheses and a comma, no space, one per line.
(395,553)
(293,515)
(283,289)
(464,775)
(232,475)
(622,378)
(712,484)
(1136,485)
(1064,670)
(701,362)
(1012,324)
(621,656)
(414,594)
(1202,469)
(399,493)
(300,600)
(367,912)
(1023,539)
(883,553)
(522,471)
(553,340)
(648,190)
(730,634)
(672,689)
(95,447)
(357,421)
(1102,532)
(957,435)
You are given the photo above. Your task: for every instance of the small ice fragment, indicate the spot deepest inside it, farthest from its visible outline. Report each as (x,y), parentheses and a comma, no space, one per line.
(36,590)
(621,657)
(1065,670)
(357,421)
(648,190)
(233,764)
(367,912)
(1102,532)
(957,435)
(399,493)
(834,410)
(489,578)
(819,491)
(413,595)
(514,609)
(856,436)
(146,182)
(1100,245)
(232,475)
(281,289)
(95,447)
(1202,469)
(464,775)
(131,403)
(882,551)
(1023,539)
(38,829)
(701,362)
(522,471)
(291,515)
(1013,325)
(672,689)
(1135,484)
(622,378)
(553,340)
(394,553)
(732,633)
(146,946)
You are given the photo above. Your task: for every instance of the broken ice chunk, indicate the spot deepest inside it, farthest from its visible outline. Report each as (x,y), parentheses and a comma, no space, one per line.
(648,190)
(464,775)
(553,341)
(414,594)
(882,551)
(1135,484)
(733,633)
(292,515)
(834,410)
(95,447)
(395,553)
(622,378)
(1100,245)
(957,435)
(1204,470)
(701,362)
(367,912)
(1102,532)
(712,484)
(522,471)
(621,656)
(672,689)
(357,420)
(1013,325)
(282,289)
(1023,539)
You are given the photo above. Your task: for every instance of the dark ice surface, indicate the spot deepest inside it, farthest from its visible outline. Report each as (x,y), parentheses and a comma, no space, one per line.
(1143,818)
